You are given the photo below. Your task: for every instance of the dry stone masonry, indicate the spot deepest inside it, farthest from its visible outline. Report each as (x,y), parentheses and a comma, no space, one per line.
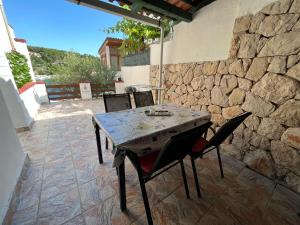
(262,76)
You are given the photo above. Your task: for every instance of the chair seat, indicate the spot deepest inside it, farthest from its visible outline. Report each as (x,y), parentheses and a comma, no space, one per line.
(200,145)
(147,161)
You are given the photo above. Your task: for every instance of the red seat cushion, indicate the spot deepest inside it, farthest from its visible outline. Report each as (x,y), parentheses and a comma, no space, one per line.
(200,145)
(147,161)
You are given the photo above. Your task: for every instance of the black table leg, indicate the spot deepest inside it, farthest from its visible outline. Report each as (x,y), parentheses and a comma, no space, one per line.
(97,132)
(122,186)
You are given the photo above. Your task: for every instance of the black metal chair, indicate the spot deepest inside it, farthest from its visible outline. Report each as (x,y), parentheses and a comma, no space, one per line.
(172,153)
(203,146)
(143,98)
(116,102)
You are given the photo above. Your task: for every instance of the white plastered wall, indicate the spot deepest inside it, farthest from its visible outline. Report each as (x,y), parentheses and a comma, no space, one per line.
(11,158)
(135,75)
(208,36)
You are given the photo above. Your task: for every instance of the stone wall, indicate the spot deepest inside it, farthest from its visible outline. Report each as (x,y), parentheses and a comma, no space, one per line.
(262,76)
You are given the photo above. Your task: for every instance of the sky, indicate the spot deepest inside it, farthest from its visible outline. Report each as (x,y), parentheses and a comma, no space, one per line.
(59,24)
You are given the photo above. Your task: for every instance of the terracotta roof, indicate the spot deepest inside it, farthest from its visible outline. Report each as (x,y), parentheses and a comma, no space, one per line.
(21,40)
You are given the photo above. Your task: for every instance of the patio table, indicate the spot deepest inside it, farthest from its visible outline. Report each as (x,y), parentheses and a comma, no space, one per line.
(133,129)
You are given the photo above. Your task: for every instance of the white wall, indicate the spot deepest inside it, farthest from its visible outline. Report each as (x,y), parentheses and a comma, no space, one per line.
(4,37)
(135,75)
(11,158)
(208,36)
(32,99)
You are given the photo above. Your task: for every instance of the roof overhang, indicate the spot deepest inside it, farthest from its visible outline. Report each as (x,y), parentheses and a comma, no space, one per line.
(150,12)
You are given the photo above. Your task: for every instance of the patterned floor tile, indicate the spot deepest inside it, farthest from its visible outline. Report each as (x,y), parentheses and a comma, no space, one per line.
(88,169)
(29,194)
(109,213)
(26,216)
(78,220)
(284,207)
(62,160)
(59,209)
(58,182)
(95,191)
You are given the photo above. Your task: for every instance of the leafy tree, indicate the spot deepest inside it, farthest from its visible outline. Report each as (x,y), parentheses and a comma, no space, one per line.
(76,68)
(136,34)
(44,60)
(19,67)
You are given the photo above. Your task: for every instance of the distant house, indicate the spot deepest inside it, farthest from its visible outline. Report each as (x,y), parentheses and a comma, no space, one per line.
(110,54)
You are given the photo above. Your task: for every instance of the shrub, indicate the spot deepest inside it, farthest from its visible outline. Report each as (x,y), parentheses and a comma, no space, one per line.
(76,68)
(19,67)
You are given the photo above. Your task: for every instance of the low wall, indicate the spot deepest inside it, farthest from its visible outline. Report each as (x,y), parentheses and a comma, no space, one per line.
(262,76)
(33,95)
(135,75)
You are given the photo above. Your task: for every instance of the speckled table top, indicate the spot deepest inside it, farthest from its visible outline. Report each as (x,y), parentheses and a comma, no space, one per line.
(130,127)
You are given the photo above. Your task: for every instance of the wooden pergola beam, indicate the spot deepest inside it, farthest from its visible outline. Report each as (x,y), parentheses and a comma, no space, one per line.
(166,9)
(112,9)
(190,2)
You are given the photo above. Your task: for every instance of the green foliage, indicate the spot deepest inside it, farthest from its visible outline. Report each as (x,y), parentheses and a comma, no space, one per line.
(19,67)
(44,60)
(76,68)
(136,34)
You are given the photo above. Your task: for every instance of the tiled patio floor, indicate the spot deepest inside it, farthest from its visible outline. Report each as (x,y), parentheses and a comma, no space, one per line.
(65,184)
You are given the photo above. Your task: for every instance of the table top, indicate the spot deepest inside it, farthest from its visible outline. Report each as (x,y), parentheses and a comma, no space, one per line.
(129,127)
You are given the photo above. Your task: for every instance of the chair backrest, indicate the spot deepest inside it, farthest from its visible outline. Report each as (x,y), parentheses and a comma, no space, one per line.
(179,146)
(227,129)
(143,98)
(116,102)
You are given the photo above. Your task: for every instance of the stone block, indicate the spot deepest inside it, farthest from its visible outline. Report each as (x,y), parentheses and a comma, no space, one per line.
(248,44)
(288,114)
(282,44)
(242,24)
(294,72)
(231,112)
(257,106)
(260,161)
(276,88)
(291,137)
(257,69)
(277,7)
(270,129)
(278,65)
(237,97)
(219,97)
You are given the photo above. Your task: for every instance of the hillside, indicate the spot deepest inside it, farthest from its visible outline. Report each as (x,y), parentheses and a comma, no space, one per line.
(45,60)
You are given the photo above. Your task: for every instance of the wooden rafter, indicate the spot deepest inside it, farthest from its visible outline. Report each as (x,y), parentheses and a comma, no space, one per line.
(165,8)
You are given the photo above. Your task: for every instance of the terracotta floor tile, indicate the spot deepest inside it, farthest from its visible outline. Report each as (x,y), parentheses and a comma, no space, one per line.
(59,209)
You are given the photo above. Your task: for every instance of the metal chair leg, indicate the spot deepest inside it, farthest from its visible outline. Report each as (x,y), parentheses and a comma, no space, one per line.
(106,143)
(196,178)
(184,180)
(145,198)
(220,162)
